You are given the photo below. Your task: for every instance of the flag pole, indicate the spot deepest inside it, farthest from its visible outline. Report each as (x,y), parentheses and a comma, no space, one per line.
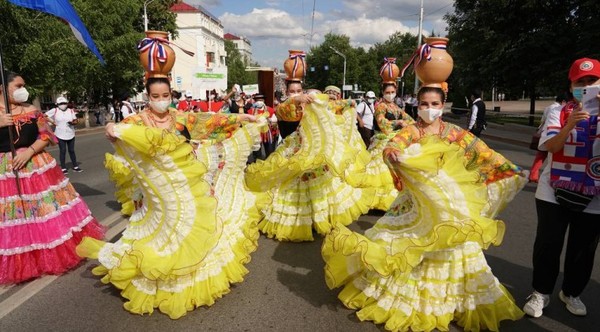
(13,151)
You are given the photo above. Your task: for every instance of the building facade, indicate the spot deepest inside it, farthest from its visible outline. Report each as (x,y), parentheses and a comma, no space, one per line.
(202,33)
(243,45)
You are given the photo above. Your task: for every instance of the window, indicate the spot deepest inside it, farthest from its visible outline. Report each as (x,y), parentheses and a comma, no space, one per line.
(210,58)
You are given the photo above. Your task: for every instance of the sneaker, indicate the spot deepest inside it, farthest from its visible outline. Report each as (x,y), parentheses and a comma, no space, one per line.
(574,304)
(536,304)
(77,169)
(65,171)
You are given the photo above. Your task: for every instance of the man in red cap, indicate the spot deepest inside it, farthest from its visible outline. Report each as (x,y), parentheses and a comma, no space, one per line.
(568,195)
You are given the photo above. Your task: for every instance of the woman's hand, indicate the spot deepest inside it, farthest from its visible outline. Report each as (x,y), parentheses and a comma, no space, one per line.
(576,116)
(6,119)
(21,158)
(110,132)
(394,156)
(247,117)
(304,98)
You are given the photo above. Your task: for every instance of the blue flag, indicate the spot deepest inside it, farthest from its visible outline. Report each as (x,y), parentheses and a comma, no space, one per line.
(64,10)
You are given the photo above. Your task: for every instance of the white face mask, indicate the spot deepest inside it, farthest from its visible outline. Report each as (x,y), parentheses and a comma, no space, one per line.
(20,95)
(260,104)
(62,107)
(389,97)
(292,95)
(160,106)
(430,114)
(370,100)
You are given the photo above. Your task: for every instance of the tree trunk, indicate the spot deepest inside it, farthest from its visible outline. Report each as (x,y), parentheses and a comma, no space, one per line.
(531,104)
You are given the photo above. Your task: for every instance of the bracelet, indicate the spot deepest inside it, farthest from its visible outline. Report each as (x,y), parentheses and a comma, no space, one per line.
(31,147)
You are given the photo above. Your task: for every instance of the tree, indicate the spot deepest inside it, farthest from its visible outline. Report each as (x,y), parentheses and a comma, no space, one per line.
(520,45)
(45,52)
(236,67)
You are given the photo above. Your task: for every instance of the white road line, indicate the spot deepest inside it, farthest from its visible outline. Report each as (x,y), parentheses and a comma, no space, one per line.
(32,288)
(24,294)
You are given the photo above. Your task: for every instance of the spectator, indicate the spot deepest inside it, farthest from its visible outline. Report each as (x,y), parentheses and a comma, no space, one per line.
(568,197)
(540,156)
(187,105)
(127,109)
(365,113)
(477,122)
(64,119)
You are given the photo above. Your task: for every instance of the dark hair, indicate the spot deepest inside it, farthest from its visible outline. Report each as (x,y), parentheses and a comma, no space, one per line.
(385,85)
(476,93)
(563,96)
(176,94)
(290,82)
(156,80)
(428,89)
(9,76)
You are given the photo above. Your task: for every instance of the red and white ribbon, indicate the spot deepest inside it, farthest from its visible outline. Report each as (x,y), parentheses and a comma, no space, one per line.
(298,59)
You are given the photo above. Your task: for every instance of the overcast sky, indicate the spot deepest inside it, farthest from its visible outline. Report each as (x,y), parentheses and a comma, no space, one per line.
(274,26)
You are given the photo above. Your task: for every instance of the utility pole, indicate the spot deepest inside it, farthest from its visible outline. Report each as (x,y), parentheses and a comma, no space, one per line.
(146,3)
(419,44)
(344,79)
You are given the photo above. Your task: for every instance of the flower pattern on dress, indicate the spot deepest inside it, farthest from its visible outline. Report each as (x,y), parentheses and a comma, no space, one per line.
(384,110)
(288,111)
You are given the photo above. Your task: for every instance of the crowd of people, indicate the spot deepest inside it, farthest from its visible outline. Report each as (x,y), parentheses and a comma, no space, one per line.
(200,180)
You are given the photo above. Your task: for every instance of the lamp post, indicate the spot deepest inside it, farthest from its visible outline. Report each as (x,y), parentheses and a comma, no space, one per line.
(146,3)
(344,79)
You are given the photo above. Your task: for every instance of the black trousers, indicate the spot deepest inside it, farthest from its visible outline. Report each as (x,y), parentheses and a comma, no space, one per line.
(63,146)
(582,241)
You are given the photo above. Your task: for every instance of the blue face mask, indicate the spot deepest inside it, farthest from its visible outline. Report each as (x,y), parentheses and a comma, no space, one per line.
(578,93)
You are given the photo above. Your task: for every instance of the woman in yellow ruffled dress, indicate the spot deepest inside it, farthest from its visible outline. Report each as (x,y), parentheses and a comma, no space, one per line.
(422,266)
(305,174)
(185,244)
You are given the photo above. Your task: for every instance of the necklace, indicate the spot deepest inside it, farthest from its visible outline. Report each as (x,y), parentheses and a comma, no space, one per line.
(422,131)
(156,121)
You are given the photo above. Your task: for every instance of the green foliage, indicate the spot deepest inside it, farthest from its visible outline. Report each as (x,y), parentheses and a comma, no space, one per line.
(520,45)
(236,67)
(43,49)
(362,66)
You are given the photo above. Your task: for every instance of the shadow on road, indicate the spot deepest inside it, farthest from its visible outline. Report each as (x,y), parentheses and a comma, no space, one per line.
(517,279)
(305,276)
(113,205)
(85,190)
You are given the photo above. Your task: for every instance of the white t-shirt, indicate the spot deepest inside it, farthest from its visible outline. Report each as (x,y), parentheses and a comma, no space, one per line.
(366,113)
(127,111)
(61,119)
(544,191)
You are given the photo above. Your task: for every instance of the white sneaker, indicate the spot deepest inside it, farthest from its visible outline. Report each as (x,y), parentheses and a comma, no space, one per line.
(536,304)
(574,304)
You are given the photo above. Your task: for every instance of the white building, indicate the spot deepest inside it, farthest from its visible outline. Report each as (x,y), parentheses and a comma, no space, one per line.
(202,33)
(243,45)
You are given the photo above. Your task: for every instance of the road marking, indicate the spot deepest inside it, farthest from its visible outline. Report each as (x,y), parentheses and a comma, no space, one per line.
(33,287)
(14,301)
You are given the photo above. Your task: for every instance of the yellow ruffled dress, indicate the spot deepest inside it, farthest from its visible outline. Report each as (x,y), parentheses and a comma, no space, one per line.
(422,265)
(305,176)
(182,249)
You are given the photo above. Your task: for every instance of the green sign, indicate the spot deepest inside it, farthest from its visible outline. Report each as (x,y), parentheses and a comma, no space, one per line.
(210,75)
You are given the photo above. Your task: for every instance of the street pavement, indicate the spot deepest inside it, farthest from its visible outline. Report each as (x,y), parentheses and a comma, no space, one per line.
(285,289)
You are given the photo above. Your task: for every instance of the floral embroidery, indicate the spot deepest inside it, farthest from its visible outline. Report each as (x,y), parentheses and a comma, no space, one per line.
(392,110)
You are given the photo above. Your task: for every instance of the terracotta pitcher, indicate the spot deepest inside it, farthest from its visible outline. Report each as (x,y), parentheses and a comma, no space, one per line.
(389,71)
(295,65)
(156,55)
(436,64)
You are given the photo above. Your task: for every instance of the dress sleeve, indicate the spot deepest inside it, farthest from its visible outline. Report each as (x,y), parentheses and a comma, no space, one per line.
(491,165)
(402,140)
(289,111)
(211,126)
(384,124)
(44,131)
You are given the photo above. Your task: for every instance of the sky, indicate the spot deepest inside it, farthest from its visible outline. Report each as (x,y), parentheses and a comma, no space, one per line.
(275,26)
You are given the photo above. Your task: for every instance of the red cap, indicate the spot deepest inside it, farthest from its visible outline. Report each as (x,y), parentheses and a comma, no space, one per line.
(584,67)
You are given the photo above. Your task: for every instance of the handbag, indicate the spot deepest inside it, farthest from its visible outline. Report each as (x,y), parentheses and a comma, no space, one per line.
(572,200)
(535,141)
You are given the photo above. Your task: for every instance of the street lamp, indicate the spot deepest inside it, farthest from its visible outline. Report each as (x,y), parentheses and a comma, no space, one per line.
(344,79)
(146,3)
